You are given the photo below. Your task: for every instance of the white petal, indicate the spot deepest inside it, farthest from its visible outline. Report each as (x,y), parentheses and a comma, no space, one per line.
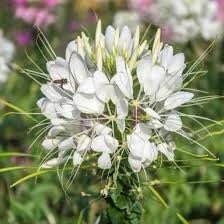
(109,38)
(78,68)
(55,130)
(87,86)
(52,92)
(173,122)
(83,143)
(100,77)
(141,149)
(58,68)
(115,93)
(111,143)
(102,87)
(104,161)
(49,64)
(120,102)
(121,105)
(72,47)
(120,124)
(104,143)
(154,80)
(50,144)
(122,108)
(58,121)
(154,124)
(123,78)
(68,143)
(89,104)
(166,150)
(67,110)
(152,113)
(136,145)
(51,163)
(103,93)
(98,144)
(125,40)
(101,129)
(177,64)
(177,99)
(144,67)
(47,108)
(170,84)
(150,76)
(150,154)
(77,159)
(143,130)
(166,56)
(134,164)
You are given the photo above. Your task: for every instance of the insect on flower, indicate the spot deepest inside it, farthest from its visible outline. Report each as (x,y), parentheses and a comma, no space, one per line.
(61,82)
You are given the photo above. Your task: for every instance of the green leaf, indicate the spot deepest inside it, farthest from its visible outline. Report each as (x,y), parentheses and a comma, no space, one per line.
(162,201)
(157,182)
(2,170)
(79,221)
(38,173)
(18,207)
(18,154)
(17,109)
(219,165)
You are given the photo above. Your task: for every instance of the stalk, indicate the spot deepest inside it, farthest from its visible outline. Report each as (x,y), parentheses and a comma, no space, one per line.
(123,200)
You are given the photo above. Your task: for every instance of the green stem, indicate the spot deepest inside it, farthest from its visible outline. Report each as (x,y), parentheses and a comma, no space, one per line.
(123,202)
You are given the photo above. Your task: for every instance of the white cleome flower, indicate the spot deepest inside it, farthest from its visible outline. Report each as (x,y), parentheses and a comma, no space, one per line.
(6,53)
(142,151)
(113,99)
(183,20)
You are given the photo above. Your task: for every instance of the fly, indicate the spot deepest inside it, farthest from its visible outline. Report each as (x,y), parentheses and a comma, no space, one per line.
(61,82)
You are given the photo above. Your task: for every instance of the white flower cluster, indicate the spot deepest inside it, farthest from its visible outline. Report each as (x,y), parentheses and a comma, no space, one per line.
(6,53)
(183,20)
(115,98)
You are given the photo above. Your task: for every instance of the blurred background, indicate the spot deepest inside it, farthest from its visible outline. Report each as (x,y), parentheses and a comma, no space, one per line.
(192,27)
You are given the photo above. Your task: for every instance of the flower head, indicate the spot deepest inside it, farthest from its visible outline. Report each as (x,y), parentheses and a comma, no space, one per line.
(116,99)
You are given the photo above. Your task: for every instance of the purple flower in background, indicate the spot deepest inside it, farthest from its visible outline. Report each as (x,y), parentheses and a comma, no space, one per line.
(50,3)
(141,4)
(26,14)
(23,38)
(35,16)
(43,18)
(166,34)
(90,16)
(19,2)
(41,14)
(220,7)
(74,25)
(21,160)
